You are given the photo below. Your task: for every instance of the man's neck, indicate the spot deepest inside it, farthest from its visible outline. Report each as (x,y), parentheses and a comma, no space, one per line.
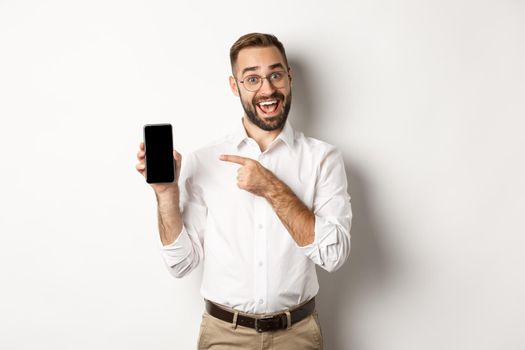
(262,137)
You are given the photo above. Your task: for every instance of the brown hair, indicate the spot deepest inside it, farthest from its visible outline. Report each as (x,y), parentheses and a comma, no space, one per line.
(255,40)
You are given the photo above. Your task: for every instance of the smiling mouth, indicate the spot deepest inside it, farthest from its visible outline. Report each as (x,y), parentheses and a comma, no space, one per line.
(269,107)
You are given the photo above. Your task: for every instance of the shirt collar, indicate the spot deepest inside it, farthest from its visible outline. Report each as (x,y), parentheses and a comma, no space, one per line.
(286,135)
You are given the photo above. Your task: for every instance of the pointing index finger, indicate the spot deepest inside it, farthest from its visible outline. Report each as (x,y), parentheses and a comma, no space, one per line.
(234,159)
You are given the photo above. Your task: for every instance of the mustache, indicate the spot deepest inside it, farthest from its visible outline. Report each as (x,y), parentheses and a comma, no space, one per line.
(275,95)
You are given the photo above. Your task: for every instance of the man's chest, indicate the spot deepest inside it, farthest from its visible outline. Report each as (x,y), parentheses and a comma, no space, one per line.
(217,180)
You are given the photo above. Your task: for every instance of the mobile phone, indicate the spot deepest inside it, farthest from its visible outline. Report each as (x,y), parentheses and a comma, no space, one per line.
(158,145)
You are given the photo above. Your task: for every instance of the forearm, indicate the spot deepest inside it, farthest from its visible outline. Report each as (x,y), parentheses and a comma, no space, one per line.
(295,216)
(169,215)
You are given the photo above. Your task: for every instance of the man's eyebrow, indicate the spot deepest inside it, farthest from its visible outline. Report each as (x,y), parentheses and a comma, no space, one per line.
(254,68)
(248,69)
(276,65)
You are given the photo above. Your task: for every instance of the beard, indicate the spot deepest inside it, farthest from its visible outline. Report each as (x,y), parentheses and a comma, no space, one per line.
(268,124)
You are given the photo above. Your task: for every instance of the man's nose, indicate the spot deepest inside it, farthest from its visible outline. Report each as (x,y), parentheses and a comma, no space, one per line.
(267,87)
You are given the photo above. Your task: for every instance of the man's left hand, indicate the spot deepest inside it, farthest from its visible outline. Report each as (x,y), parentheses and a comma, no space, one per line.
(251,176)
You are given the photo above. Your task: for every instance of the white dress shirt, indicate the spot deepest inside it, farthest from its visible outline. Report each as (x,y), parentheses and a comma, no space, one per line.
(251,262)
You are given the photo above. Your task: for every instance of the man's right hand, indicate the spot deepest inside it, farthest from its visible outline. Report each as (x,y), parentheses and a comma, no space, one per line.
(159,187)
(169,215)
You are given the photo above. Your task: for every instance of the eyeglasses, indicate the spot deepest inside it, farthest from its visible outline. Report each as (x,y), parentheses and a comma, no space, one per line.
(254,82)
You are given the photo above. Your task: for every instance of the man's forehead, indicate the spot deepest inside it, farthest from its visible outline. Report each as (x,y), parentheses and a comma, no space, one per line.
(259,57)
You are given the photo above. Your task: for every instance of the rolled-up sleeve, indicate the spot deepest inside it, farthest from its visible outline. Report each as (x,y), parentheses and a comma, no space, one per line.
(186,252)
(333,214)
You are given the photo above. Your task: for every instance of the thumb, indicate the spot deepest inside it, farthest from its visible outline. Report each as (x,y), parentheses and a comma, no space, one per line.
(178,161)
(177,156)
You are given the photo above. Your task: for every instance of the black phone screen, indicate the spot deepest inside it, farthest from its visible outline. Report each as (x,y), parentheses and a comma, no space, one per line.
(158,142)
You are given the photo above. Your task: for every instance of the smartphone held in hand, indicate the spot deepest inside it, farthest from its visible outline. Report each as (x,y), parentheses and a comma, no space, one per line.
(158,144)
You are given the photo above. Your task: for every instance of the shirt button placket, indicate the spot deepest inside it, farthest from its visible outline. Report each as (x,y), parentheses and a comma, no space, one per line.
(260,256)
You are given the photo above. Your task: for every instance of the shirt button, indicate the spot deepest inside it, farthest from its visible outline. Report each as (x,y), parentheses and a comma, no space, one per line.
(261,301)
(260,227)
(260,263)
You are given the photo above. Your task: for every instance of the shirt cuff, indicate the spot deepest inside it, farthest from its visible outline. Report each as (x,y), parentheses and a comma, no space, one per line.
(325,235)
(178,250)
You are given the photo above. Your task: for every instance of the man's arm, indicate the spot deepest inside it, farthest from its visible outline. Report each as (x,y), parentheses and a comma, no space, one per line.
(168,212)
(295,216)
(169,215)
(181,243)
(324,233)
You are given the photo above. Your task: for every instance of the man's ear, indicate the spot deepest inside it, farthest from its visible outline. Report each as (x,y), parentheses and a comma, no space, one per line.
(233,86)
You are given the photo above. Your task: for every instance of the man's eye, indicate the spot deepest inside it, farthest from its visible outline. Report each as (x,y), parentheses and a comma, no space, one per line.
(276,76)
(252,80)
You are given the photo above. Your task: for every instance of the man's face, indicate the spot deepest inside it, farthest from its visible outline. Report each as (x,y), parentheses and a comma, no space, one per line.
(268,106)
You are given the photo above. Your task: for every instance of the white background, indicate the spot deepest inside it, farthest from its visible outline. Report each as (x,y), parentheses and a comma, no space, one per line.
(424,98)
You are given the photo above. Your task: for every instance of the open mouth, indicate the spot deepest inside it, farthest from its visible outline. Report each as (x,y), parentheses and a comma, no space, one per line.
(269,107)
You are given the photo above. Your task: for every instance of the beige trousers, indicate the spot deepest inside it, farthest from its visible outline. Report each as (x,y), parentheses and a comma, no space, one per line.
(216,334)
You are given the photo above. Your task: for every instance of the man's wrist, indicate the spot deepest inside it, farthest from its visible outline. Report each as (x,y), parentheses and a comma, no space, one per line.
(275,188)
(168,195)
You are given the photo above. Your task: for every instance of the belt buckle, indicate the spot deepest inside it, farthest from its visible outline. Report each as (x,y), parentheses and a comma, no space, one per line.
(260,322)
(270,323)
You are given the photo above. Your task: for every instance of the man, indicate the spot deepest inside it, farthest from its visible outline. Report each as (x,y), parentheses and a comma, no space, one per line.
(260,208)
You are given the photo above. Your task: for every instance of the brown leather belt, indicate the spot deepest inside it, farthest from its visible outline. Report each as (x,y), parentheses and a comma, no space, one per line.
(279,321)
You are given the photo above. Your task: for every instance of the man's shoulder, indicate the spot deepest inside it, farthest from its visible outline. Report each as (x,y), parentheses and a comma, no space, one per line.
(314,144)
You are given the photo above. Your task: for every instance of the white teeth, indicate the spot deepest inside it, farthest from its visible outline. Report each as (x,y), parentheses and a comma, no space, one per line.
(266,103)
